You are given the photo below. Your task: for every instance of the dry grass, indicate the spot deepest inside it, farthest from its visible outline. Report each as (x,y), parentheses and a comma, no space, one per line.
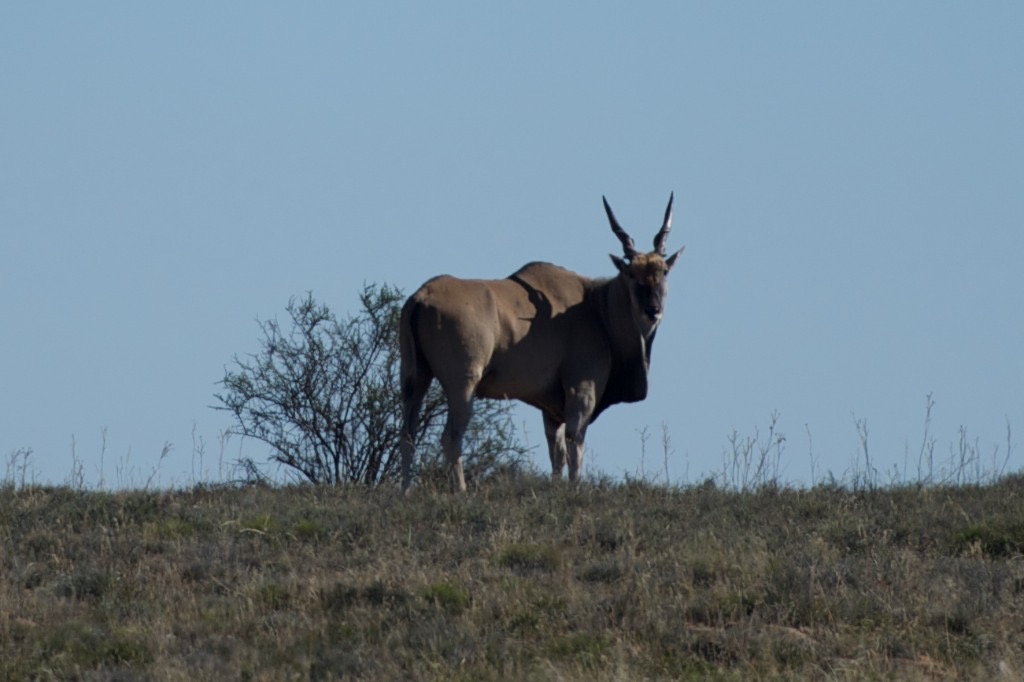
(520,579)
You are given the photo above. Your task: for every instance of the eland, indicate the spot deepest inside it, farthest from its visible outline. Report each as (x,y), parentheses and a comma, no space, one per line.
(569,345)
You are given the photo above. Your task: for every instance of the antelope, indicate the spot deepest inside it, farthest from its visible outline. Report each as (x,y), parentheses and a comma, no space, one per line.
(568,345)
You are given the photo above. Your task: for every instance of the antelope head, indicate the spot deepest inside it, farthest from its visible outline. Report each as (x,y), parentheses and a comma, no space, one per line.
(645,274)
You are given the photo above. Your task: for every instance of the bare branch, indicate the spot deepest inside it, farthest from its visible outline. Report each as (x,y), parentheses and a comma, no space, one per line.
(324,396)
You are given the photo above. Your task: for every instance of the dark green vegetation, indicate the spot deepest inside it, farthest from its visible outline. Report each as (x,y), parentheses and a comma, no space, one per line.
(519,579)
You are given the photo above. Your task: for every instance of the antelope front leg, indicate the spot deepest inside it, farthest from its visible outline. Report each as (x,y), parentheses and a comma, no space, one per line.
(579,408)
(554,431)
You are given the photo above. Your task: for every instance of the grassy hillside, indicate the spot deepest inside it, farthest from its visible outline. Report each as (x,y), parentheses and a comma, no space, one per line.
(520,579)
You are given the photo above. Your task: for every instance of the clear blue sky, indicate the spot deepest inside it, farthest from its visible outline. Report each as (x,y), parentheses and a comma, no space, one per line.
(849,184)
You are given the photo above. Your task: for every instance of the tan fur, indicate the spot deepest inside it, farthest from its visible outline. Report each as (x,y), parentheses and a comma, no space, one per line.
(568,345)
(649,268)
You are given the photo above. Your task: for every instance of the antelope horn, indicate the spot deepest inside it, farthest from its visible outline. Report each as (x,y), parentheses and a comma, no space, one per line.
(628,249)
(666,227)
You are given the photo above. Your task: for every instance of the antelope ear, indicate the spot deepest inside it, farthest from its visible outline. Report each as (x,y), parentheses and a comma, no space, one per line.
(671,260)
(622,266)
